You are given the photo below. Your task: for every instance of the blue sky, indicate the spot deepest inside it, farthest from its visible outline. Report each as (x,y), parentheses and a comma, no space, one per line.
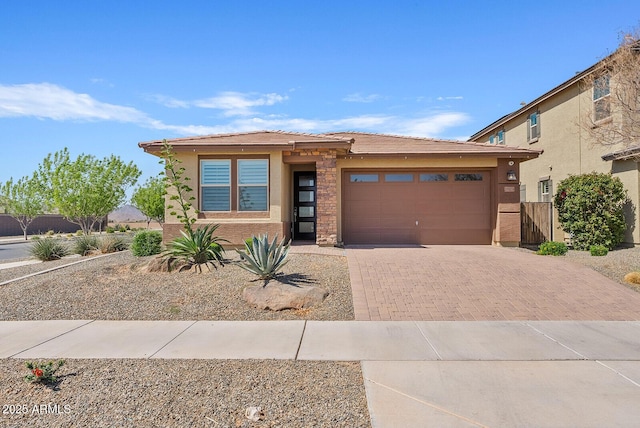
(100,76)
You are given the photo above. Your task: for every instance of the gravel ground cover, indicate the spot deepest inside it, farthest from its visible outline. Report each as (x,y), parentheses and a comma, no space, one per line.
(117,287)
(177,393)
(186,393)
(615,265)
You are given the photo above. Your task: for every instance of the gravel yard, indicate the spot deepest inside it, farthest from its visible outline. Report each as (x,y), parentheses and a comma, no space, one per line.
(116,287)
(177,393)
(615,265)
(187,393)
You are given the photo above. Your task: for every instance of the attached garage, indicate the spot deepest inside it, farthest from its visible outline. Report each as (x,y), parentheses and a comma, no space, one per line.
(417,207)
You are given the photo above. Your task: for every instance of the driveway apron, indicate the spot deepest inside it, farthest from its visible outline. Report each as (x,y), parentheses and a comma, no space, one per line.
(480,283)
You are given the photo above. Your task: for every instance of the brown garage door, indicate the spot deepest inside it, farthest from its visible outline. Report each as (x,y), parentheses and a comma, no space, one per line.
(417,207)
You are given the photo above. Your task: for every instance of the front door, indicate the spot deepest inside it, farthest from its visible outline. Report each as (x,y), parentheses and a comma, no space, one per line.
(304,206)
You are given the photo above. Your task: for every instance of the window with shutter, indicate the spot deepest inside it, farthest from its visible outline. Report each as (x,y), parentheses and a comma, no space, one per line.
(215,185)
(253,180)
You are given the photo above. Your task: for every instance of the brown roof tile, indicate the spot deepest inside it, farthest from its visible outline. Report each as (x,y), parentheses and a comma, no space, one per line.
(383,144)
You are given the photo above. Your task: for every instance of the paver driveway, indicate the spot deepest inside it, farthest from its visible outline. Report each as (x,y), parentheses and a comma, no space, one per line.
(453,283)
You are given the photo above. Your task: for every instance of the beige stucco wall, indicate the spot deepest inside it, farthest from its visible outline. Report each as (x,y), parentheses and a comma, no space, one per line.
(568,149)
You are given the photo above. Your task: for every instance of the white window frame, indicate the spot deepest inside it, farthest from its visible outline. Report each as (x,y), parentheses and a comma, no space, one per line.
(203,162)
(602,96)
(265,184)
(533,130)
(500,137)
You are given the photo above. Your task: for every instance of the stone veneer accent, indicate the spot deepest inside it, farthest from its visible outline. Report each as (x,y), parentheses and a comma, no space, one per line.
(327,199)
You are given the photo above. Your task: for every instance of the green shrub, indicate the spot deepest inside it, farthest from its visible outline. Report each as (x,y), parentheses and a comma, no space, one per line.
(146,243)
(48,249)
(196,248)
(110,229)
(248,243)
(552,248)
(50,233)
(79,232)
(590,208)
(112,244)
(85,244)
(262,258)
(598,250)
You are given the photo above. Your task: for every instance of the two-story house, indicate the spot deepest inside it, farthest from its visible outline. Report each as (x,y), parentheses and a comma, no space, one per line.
(564,123)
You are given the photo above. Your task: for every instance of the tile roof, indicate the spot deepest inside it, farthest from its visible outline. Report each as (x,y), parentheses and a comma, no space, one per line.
(384,144)
(359,143)
(254,138)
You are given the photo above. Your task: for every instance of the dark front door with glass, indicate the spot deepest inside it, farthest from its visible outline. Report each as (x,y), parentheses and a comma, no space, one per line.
(304,206)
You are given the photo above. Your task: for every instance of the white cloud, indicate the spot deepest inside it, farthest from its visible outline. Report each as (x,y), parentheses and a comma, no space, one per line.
(450,98)
(48,101)
(239,104)
(231,103)
(359,98)
(168,101)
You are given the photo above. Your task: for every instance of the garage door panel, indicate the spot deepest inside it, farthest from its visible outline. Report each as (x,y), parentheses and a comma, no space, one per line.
(363,192)
(448,212)
(459,236)
(388,222)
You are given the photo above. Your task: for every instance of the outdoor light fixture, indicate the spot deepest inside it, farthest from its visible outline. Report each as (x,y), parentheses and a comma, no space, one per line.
(511,175)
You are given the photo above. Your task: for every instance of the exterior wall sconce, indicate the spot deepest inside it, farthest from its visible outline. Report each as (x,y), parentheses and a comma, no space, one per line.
(511,175)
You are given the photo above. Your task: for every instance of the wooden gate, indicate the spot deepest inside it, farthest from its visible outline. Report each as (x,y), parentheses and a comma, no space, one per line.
(535,218)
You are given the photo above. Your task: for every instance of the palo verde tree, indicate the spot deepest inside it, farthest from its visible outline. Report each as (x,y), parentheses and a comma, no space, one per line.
(87,189)
(614,116)
(590,208)
(149,199)
(23,200)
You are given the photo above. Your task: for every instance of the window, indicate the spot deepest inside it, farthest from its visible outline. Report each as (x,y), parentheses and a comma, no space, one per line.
(468,177)
(492,139)
(363,178)
(533,127)
(253,179)
(234,185)
(544,190)
(434,177)
(500,137)
(215,185)
(523,193)
(398,178)
(601,98)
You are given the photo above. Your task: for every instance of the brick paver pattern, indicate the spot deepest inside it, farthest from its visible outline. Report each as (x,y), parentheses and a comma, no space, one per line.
(481,283)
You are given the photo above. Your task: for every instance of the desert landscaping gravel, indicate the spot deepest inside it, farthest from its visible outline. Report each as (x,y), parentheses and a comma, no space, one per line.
(186,393)
(117,287)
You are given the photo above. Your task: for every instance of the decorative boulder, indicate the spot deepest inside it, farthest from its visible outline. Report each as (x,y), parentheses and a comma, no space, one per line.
(278,296)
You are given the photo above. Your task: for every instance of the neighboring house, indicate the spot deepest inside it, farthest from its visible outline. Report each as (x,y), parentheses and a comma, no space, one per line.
(351,188)
(554,123)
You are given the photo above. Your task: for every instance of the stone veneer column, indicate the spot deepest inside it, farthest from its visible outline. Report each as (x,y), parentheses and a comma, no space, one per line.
(327,199)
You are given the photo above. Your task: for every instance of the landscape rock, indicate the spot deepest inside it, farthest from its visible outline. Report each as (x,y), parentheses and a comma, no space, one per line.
(278,296)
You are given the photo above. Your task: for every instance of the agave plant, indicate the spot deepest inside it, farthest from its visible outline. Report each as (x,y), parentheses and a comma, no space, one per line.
(196,248)
(263,258)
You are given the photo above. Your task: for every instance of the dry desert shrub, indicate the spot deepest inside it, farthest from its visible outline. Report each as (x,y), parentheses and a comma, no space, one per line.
(632,278)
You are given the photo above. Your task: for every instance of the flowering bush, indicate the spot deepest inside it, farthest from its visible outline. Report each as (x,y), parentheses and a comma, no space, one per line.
(43,373)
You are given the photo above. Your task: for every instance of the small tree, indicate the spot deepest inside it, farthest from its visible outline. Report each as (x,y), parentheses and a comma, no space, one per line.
(590,208)
(86,190)
(149,199)
(176,186)
(23,200)
(615,81)
(195,247)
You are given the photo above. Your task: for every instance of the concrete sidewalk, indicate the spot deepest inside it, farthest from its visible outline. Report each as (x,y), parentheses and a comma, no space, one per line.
(416,373)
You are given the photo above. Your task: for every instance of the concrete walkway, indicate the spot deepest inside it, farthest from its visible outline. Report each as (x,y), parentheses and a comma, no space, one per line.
(416,374)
